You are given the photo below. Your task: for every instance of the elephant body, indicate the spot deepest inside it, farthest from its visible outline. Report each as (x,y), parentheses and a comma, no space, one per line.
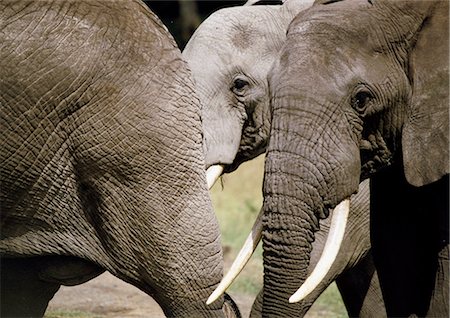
(360,90)
(409,225)
(102,160)
(231,74)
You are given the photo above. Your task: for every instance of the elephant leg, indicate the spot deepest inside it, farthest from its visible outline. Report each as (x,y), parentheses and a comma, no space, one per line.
(439,302)
(230,307)
(23,293)
(360,290)
(439,306)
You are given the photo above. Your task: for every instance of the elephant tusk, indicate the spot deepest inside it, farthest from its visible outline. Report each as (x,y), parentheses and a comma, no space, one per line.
(212,174)
(332,245)
(241,259)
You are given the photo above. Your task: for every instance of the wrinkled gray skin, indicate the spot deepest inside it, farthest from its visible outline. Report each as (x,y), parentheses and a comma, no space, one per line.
(102,160)
(361,90)
(241,43)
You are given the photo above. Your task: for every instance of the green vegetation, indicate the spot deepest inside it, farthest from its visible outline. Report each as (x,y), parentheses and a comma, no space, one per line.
(237,201)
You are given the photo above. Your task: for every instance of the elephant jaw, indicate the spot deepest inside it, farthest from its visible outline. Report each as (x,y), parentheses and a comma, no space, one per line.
(213,173)
(334,240)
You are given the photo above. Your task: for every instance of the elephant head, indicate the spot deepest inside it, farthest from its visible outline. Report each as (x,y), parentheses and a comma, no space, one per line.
(101,152)
(230,55)
(360,89)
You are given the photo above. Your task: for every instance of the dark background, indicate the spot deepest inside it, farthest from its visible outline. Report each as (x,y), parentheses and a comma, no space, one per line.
(182,17)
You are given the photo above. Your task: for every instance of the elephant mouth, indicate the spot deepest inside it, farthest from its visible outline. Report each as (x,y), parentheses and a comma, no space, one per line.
(253,143)
(215,171)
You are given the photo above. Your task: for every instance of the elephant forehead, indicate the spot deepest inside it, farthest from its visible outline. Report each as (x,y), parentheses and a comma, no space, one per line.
(241,27)
(244,36)
(345,21)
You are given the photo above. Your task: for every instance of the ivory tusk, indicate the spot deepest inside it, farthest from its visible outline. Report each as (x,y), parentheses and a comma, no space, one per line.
(332,245)
(241,259)
(212,174)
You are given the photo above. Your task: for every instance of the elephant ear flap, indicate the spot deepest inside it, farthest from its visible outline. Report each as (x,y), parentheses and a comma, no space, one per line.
(425,138)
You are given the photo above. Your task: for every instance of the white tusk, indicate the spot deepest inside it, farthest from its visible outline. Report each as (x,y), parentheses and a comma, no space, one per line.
(334,240)
(212,174)
(241,259)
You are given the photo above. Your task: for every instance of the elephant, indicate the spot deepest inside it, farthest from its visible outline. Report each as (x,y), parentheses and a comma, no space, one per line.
(231,73)
(102,159)
(360,91)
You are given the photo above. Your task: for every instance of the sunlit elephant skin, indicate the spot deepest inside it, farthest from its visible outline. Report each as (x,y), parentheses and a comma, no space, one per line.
(231,71)
(102,164)
(361,90)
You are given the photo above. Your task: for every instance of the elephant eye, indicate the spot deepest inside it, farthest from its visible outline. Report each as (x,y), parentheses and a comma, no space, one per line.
(238,85)
(361,100)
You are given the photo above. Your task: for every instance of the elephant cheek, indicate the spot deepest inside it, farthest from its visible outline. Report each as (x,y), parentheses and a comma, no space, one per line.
(220,153)
(221,139)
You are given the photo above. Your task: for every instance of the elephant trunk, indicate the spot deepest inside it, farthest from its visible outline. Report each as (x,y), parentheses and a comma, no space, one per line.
(289,224)
(303,181)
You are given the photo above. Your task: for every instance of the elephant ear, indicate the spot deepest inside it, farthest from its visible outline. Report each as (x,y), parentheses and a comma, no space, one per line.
(425,135)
